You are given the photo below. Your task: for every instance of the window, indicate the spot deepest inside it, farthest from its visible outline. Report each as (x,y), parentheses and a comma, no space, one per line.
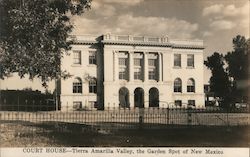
(77,105)
(177,60)
(92,57)
(190,60)
(152,69)
(152,62)
(190,85)
(122,75)
(137,69)
(92,86)
(151,74)
(122,62)
(77,85)
(137,62)
(93,104)
(138,74)
(191,102)
(178,103)
(77,57)
(123,69)
(177,85)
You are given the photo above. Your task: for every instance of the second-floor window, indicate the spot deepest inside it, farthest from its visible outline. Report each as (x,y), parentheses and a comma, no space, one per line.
(77,57)
(151,74)
(152,62)
(138,75)
(123,62)
(152,68)
(177,60)
(137,69)
(190,60)
(137,62)
(92,57)
(123,68)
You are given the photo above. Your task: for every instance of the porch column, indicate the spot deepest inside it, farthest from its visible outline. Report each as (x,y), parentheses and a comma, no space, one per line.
(146,99)
(145,57)
(160,67)
(132,104)
(115,66)
(131,66)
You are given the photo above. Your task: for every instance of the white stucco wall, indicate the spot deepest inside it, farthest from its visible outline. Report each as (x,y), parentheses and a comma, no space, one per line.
(106,71)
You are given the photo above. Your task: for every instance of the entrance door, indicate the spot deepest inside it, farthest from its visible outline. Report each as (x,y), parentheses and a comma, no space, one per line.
(139,97)
(153,97)
(124,97)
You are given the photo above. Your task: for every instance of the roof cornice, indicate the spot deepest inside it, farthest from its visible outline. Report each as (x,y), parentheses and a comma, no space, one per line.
(177,46)
(163,41)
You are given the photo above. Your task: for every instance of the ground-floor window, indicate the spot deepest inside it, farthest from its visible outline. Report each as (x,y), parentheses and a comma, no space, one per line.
(191,102)
(92,104)
(178,103)
(77,105)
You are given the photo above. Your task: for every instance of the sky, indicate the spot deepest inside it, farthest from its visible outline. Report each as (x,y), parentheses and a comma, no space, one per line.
(215,22)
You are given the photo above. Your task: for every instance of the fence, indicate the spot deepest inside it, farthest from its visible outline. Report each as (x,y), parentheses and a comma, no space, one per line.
(118,118)
(45,128)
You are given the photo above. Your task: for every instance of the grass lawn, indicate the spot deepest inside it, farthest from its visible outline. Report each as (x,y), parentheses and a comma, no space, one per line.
(17,134)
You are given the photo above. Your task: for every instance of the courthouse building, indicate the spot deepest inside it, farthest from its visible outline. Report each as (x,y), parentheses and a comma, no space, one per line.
(111,71)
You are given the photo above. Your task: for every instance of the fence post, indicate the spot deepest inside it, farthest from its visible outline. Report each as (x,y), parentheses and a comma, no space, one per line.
(141,117)
(168,115)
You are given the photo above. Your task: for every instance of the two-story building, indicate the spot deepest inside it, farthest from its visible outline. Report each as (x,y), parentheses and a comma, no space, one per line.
(132,71)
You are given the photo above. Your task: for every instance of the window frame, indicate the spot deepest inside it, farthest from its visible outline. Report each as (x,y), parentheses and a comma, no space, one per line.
(178,103)
(152,74)
(192,60)
(136,61)
(77,86)
(138,75)
(177,60)
(191,104)
(122,62)
(92,57)
(77,105)
(93,86)
(77,59)
(123,69)
(191,87)
(122,75)
(178,87)
(138,69)
(152,62)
